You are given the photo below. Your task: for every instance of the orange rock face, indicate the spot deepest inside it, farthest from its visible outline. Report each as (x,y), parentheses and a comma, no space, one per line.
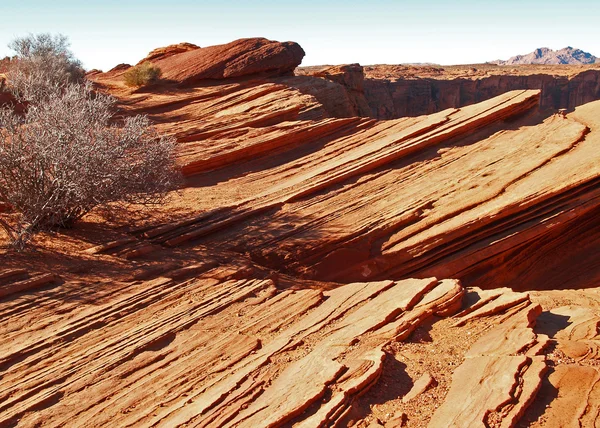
(319,268)
(242,57)
(397,91)
(352,78)
(167,51)
(395,231)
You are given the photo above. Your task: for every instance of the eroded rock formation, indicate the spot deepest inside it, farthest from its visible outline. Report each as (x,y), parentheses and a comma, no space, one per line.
(563,56)
(397,97)
(167,51)
(324,269)
(352,77)
(242,57)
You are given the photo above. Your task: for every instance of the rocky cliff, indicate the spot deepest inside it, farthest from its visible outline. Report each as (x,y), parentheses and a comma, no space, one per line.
(399,97)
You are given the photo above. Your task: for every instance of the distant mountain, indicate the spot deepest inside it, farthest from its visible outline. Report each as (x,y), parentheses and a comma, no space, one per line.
(548,56)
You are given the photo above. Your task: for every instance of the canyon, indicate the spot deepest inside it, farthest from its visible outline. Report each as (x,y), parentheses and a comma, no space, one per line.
(343,252)
(398,91)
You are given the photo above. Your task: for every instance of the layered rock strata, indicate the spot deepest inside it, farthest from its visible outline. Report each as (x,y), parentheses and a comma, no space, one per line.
(399,97)
(323,269)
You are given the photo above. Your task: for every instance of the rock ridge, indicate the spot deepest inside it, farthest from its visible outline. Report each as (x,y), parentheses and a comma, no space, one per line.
(244,57)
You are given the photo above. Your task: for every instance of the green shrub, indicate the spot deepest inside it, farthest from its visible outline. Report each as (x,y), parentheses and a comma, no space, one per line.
(142,75)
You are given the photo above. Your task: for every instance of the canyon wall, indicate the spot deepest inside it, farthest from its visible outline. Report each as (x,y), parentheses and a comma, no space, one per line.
(393,98)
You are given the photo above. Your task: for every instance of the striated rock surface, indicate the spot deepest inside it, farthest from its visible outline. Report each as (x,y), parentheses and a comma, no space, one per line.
(209,351)
(448,195)
(242,57)
(408,218)
(500,376)
(167,51)
(352,77)
(398,96)
(318,268)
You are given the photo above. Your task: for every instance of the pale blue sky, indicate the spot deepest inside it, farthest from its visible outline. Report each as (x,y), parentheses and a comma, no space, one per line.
(109,32)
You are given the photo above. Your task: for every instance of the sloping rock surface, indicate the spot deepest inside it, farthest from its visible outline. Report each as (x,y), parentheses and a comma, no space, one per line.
(167,51)
(209,351)
(358,199)
(319,269)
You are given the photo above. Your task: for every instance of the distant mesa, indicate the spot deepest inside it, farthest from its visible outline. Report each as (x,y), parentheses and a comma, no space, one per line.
(186,63)
(565,56)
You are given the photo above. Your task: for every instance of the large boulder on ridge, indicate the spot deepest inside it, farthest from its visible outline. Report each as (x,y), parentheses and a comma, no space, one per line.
(239,58)
(352,78)
(167,51)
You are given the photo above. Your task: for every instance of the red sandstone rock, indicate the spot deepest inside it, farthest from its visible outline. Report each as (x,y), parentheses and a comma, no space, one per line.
(575,397)
(244,57)
(385,227)
(420,386)
(14,281)
(352,77)
(115,72)
(499,378)
(282,195)
(257,373)
(397,91)
(167,51)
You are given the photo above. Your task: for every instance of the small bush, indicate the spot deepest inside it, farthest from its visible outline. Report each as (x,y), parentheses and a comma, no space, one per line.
(142,75)
(43,66)
(64,157)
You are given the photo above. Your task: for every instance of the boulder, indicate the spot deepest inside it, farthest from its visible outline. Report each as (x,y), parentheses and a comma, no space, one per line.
(244,57)
(167,51)
(352,78)
(350,75)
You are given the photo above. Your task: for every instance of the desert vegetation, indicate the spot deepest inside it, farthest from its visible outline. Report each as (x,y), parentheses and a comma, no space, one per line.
(43,65)
(143,74)
(66,154)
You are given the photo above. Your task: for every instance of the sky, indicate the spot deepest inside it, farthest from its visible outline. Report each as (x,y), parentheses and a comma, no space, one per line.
(109,32)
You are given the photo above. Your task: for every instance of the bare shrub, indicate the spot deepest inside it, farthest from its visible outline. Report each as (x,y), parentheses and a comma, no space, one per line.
(64,157)
(142,75)
(42,66)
